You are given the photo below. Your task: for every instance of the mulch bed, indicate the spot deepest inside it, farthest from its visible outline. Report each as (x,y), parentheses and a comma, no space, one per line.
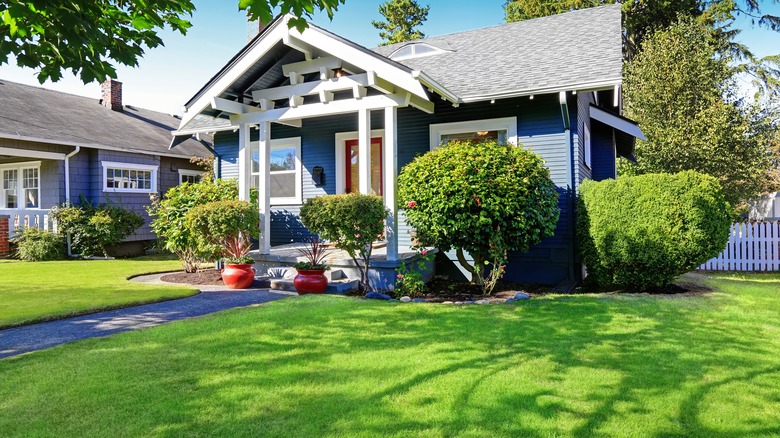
(210,277)
(441,290)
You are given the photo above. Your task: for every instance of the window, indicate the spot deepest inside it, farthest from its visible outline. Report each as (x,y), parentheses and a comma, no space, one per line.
(415,50)
(503,130)
(20,184)
(129,178)
(586,143)
(190,176)
(285,170)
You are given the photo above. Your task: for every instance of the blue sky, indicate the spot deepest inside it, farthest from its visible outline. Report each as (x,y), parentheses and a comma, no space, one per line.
(168,76)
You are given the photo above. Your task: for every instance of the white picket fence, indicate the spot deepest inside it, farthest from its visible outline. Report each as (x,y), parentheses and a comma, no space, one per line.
(753,246)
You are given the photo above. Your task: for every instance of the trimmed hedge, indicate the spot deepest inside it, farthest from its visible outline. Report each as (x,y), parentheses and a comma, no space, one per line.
(35,245)
(216,223)
(644,231)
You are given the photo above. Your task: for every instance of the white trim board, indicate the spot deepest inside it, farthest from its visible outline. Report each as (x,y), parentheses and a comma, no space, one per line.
(616,122)
(154,169)
(505,123)
(27,153)
(341,157)
(285,142)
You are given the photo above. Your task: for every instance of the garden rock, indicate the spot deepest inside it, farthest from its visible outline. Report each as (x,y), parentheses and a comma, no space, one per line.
(468,302)
(482,302)
(522,296)
(406,300)
(510,300)
(447,302)
(378,296)
(419,300)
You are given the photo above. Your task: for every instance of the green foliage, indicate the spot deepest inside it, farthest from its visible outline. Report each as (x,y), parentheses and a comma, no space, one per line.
(36,245)
(402,17)
(315,253)
(169,213)
(218,226)
(352,222)
(88,37)
(85,37)
(675,89)
(409,275)
(644,231)
(486,199)
(92,228)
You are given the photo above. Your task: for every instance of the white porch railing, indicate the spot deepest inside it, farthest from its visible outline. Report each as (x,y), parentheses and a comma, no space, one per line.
(30,217)
(752,246)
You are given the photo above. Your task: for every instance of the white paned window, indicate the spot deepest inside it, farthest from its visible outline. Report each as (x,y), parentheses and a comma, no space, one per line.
(20,184)
(503,130)
(415,50)
(129,178)
(586,143)
(286,170)
(190,176)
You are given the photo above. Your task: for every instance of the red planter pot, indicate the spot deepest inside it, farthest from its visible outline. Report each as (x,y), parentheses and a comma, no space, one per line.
(310,282)
(238,276)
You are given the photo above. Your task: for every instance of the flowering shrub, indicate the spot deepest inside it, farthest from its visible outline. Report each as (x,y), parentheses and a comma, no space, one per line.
(409,275)
(352,222)
(485,199)
(93,228)
(224,227)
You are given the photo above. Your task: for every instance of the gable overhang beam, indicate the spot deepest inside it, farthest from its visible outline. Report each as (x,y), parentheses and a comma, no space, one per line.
(437,88)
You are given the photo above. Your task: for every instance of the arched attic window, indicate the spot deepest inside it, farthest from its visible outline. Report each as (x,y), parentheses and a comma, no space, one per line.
(415,50)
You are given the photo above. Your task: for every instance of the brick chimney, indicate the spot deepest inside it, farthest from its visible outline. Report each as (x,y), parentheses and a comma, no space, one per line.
(253,28)
(111,94)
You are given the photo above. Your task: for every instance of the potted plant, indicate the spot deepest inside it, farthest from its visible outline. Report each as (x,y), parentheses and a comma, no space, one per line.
(225,228)
(311,278)
(238,272)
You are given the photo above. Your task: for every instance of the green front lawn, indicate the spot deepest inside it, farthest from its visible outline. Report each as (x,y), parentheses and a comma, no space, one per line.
(595,365)
(48,290)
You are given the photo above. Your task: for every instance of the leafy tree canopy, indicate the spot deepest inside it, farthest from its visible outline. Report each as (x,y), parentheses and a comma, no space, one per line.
(683,95)
(402,17)
(91,37)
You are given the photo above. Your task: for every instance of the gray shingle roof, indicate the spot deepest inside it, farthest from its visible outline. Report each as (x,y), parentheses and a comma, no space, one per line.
(578,47)
(27,111)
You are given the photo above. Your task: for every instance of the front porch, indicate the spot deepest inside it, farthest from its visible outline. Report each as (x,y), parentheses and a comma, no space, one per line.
(28,217)
(382,270)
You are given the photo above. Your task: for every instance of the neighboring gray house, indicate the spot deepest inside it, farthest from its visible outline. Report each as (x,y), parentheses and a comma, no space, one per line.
(56,147)
(353,117)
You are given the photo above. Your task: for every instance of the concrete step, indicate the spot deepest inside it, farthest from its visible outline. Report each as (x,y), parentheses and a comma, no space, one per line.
(335,287)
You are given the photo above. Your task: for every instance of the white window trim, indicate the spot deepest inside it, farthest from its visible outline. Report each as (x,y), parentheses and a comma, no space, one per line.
(586,142)
(129,166)
(509,124)
(289,141)
(341,158)
(189,172)
(20,167)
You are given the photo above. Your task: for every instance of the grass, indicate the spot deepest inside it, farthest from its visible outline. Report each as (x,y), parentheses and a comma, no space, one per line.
(40,291)
(591,365)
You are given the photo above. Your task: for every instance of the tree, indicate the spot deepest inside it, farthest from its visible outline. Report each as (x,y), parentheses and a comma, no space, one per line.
(485,199)
(90,37)
(683,94)
(401,19)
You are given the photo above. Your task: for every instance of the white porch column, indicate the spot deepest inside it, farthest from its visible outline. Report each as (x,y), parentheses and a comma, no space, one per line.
(264,187)
(244,163)
(364,151)
(390,175)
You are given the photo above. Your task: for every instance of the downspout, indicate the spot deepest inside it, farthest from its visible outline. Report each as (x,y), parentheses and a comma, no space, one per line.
(67,189)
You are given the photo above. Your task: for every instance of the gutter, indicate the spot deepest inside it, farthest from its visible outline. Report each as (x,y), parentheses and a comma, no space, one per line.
(67,191)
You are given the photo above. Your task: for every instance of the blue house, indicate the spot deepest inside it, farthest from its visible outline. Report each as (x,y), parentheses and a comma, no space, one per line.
(57,147)
(304,114)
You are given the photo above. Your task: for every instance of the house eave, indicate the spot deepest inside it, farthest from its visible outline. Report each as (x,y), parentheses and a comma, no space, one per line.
(606,84)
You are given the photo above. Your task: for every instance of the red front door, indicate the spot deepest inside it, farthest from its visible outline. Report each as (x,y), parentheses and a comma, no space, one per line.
(352,183)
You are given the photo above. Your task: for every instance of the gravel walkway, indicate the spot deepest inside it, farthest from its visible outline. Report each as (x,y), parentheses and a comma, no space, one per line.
(19,340)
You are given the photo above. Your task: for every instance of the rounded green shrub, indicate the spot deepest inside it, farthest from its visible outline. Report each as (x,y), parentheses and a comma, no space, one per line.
(224,228)
(94,228)
(35,245)
(486,199)
(352,222)
(644,231)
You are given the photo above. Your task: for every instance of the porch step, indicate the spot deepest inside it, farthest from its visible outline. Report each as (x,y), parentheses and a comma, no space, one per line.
(335,287)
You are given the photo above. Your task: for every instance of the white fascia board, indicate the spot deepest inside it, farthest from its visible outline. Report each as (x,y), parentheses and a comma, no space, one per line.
(360,59)
(27,153)
(203,130)
(320,109)
(607,84)
(616,122)
(261,47)
(436,87)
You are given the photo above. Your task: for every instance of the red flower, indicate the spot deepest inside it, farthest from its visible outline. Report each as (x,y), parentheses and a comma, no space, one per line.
(411,204)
